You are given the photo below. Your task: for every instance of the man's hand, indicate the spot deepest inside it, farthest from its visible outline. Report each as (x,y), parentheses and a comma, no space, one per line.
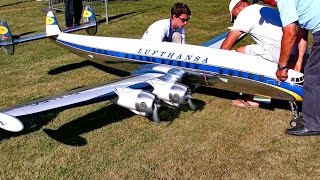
(282,75)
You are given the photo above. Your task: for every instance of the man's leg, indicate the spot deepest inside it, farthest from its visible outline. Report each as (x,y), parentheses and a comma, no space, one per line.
(311,88)
(176,37)
(267,51)
(77,8)
(310,123)
(68,4)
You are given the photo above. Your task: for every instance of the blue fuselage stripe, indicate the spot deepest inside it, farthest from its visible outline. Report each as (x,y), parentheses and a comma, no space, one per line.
(204,67)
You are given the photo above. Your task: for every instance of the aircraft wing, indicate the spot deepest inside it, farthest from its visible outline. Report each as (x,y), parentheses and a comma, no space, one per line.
(81,96)
(142,93)
(216,42)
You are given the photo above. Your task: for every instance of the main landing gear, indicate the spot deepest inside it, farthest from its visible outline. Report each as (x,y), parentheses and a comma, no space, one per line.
(295,114)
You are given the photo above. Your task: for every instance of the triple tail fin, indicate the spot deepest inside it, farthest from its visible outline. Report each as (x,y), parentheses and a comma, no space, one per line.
(7,42)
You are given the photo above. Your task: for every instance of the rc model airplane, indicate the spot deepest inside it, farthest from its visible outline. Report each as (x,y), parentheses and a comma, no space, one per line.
(161,72)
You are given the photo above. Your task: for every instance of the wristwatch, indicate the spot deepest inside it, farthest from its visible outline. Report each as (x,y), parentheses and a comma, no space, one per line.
(282,67)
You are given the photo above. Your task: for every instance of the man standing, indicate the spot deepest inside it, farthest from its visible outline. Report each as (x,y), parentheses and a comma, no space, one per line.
(305,15)
(170,30)
(263,24)
(73,11)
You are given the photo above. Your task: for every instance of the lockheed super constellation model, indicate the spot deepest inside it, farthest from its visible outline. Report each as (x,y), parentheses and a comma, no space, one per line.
(161,72)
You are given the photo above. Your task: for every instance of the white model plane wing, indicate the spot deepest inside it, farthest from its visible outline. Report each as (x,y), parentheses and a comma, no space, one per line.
(141,94)
(78,97)
(217,41)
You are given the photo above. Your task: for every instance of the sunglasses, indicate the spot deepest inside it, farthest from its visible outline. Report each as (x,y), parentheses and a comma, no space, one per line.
(256,1)
(184,20)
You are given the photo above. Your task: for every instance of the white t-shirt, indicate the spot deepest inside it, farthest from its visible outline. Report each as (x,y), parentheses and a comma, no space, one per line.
(162,30)
(262,23)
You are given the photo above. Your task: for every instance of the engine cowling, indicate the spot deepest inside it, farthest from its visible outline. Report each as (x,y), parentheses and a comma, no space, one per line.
(138,101)
(173,93)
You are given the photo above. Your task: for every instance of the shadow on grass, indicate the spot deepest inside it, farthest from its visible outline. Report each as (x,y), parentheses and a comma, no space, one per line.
(85,63)
(23,34)
(12,4)
(275,103)
(69,134)
(169,114)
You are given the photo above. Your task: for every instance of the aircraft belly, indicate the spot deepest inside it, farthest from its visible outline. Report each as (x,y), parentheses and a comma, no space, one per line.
(237,84)
(247,86)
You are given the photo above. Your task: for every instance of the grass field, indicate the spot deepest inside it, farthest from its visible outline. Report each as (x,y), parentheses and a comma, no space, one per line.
(105,141)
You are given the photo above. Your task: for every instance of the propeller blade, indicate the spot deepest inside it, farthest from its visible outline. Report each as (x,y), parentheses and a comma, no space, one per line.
(155,114)
(192,106)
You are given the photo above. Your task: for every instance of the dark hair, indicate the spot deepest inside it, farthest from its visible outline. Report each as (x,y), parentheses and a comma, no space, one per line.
(180,8)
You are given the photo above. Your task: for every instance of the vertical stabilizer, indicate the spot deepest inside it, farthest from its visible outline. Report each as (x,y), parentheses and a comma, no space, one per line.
(52,25)
(89,19)
(6,41)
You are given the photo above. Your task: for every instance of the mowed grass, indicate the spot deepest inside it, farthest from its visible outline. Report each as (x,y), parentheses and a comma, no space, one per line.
(105,141)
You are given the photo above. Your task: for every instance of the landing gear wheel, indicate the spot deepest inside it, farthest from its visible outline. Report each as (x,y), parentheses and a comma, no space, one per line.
(294,122)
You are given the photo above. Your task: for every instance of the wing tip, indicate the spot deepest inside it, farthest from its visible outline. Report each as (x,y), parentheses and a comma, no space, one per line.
(10,123)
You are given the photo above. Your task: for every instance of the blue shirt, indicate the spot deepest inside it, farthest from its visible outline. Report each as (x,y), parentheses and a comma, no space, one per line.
(306,13)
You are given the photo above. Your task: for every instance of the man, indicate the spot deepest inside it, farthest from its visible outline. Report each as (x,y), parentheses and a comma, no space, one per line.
(305,15)
(73,11)
(263,24)
(170,30)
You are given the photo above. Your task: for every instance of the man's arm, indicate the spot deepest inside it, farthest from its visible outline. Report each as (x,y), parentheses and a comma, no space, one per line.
(155,32)
(230,40)
(302,39)
(287,43)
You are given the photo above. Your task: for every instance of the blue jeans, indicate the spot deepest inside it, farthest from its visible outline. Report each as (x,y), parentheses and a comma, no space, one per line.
(311,87)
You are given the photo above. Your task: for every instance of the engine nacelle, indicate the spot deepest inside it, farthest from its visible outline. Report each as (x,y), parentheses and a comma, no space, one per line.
(173,93)
(138,101)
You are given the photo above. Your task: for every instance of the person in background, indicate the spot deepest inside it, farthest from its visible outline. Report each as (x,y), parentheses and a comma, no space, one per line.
(304,15)
(73,12)
(170,30)
(264,26)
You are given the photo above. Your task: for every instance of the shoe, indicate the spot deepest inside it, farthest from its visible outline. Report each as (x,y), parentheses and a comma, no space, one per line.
(69,28)
(301,130)
(77,24)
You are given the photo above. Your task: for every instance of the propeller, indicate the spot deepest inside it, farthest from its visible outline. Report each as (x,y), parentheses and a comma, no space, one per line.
(155,114)
(192,106)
